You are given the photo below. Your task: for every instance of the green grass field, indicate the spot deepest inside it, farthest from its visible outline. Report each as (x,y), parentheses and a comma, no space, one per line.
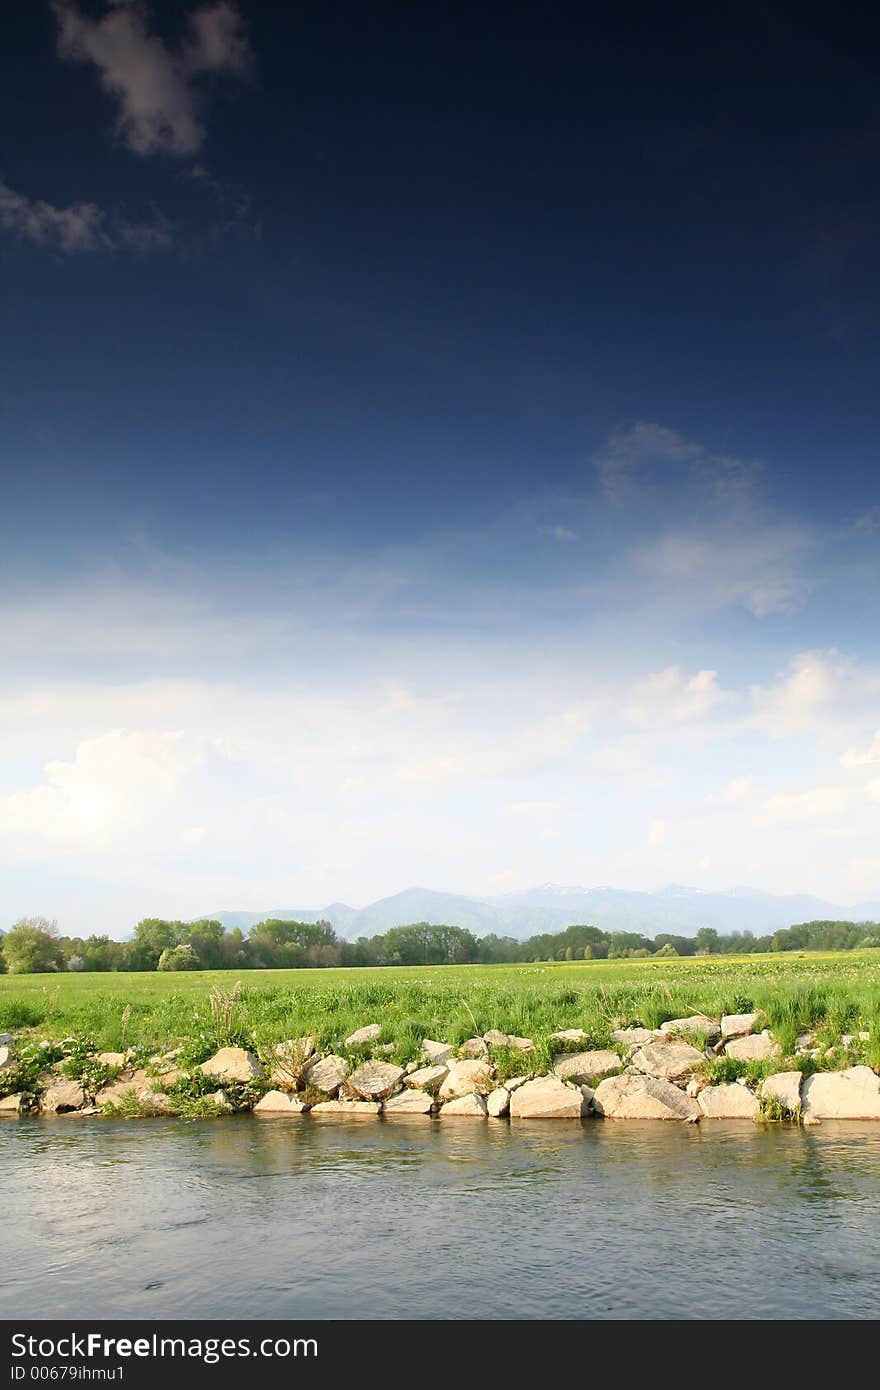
(834,993)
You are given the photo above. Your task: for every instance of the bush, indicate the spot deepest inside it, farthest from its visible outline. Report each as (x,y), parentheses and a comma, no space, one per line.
(179,958)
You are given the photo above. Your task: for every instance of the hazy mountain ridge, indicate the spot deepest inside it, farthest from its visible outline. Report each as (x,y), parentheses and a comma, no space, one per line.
(550,908)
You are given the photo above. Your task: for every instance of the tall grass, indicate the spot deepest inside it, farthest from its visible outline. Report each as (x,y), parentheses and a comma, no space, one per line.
(834,993)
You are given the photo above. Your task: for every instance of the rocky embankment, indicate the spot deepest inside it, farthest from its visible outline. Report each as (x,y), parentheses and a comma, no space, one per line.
(679,1072)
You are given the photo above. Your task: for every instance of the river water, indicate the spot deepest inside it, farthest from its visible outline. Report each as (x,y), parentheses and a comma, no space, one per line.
(279,1218)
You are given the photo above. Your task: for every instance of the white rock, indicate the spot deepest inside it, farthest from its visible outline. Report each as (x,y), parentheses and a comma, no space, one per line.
(521,1044)
(409,1103)
(513,1083)
(738,1025)
(784,1086)
(63,1095)
(474,1047)
(581,1066)
(670,1061)
(498,1102)
(757,1047)
(233,1064)
(376,1080)
(365,1034)
(728,1102)
(495,1038)
(633,1037)
(111,1059)
(11,1105)
(426,1078)
(355,1109)
(279,1103)
(695,1023)
(437,1052)
(852,1094)
(548,1098)
(465,1077)
(328,1074)
(574,1035)
(7,1057)
(643,1098)
(472,1105)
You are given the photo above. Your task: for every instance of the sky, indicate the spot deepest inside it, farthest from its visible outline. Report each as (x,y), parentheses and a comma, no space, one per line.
(438,446)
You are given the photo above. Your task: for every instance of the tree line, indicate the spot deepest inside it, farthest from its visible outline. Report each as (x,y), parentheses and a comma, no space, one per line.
(34,945)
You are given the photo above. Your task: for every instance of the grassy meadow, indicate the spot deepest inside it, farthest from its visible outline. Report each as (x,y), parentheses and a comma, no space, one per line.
(832,994)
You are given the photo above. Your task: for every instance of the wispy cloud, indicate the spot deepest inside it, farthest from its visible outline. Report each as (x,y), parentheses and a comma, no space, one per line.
(80,228)
(156,87)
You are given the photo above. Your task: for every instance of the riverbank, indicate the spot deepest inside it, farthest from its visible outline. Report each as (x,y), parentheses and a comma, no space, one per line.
(689,1069)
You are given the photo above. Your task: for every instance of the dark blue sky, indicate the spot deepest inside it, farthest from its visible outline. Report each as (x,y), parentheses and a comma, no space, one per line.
(473,243)
(495,354)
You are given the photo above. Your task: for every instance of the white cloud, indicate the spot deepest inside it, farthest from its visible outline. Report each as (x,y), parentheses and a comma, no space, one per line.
(820,692)
(115,783)
(558,533)
(658,832)
(720,567)
(627,451)
(818,803)
(154,85)
(737,790)
(862,757)
(670,696)
(79,228)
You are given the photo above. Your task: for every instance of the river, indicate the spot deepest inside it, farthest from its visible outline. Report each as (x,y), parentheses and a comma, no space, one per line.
(262,1218)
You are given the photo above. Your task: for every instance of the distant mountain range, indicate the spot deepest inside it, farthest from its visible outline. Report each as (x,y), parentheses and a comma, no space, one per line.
(551,908)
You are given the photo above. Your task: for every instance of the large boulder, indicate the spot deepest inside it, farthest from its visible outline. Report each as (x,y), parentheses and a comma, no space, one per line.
(426,1078)
(328,1074)
(472,1105)
(409,1103)
(63,1095)
(437,1053)
(669,1061)
(375,1080)
(756,1047)
(548,1098)
(368,1033)
(728,1102)
(582,1066)
(631,1097)
(498,1103)
(351,1109)
(465,1077)
(11,1105)
(279,1103)
(709,1028)
(7,1057)
(233,1064)
(784,1086)
(738,1025)
(853,1094)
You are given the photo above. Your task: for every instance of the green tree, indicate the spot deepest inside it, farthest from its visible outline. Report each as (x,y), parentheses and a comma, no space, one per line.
(152,936)
(32,947)
(706,941)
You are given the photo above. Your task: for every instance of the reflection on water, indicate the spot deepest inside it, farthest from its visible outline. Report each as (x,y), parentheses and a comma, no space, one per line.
(262,1218)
